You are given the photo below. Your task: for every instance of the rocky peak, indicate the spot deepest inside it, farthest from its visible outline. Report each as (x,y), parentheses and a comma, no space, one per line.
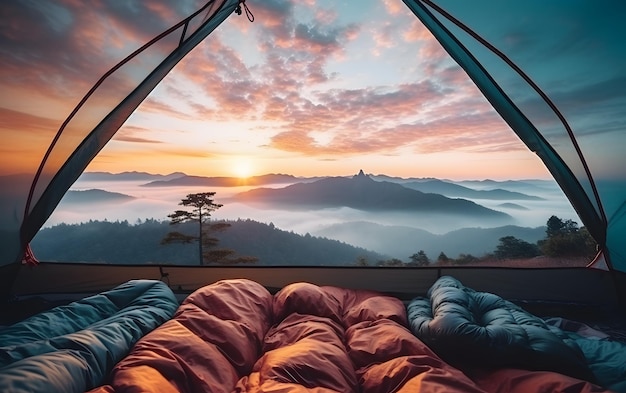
(361,176)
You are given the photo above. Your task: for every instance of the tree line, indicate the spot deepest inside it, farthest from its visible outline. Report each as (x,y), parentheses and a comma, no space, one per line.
(564,238)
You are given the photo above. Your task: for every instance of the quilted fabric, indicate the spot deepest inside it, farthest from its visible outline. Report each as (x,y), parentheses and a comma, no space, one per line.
(234,336)
(72,348)
(467,327)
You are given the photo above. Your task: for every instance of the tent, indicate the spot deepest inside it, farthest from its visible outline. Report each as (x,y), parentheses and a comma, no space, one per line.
(572,119)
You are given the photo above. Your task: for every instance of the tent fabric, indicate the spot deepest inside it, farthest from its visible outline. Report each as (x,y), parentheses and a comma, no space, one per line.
(72,348)
(466,327)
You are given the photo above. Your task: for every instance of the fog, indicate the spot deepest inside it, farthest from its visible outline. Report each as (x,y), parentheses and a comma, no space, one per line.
(158,202)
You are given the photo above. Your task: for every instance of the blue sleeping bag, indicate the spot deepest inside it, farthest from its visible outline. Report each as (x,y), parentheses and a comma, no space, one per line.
(467,328)
(72,348)
(477,329)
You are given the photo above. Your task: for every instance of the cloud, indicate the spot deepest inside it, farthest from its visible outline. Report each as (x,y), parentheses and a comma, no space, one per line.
(276,16)
(280,86)
(416,31)
(282,78)
(314,39)
(162,153)
(171,108)
(375,121)
(25,140)
(324,16)
(296,141)
(123,138)
(298,58)
(384,38)
(30,124)
(351,121)
(128,134)
(214,82)
(62,48)
(393,7)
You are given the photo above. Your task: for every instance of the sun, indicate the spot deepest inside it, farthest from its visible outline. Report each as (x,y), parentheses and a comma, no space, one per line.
(242,168)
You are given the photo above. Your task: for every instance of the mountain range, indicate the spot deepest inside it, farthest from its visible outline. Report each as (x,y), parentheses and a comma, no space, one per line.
(128,176)
(471,189)
(94,196)
(362,193)
(203,181)
(533,185)
(436,186)
(432,186)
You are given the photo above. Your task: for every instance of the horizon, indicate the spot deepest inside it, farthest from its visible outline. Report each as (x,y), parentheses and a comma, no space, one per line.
(550,179)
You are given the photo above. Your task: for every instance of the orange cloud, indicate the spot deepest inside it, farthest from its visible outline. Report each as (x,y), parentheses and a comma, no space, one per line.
(30,137)
(416,32)
(130,134)
(393,7)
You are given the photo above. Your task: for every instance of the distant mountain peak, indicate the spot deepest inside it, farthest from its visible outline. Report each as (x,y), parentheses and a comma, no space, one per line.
(361,175)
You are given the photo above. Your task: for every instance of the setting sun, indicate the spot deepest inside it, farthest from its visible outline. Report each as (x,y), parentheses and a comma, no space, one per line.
(242,167)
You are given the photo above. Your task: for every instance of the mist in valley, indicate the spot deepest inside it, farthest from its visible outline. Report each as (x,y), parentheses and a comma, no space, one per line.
(394,233)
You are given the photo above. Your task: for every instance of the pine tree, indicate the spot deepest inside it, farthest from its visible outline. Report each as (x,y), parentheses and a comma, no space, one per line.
(419,259)
(203,205)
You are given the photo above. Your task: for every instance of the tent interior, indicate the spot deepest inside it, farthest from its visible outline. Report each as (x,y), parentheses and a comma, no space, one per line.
(85,87)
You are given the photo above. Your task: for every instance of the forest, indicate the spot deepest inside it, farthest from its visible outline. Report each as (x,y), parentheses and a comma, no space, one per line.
(121,242)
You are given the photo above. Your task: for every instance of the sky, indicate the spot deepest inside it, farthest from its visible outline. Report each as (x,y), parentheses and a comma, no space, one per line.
(310,88)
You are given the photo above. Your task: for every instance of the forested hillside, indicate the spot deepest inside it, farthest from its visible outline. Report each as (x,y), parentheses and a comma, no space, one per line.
(264,244)
(123,243)
(401,242)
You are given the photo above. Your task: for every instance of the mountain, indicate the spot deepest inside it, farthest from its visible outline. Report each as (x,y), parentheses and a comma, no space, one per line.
(401,180)
(94,196)
(436,186)
(362,193)
(401,242)
(521,186)
(225,181)
(127,176)
(528,185)
(275,246)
